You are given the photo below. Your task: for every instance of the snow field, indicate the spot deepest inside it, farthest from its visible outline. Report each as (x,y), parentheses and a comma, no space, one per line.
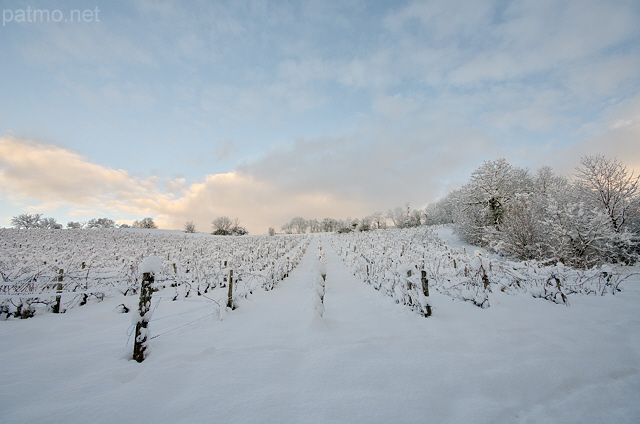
(368,359)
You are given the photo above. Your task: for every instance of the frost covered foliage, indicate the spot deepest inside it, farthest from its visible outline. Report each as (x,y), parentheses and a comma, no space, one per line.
(589,220)
(103,263)
(34,220)
(393,261)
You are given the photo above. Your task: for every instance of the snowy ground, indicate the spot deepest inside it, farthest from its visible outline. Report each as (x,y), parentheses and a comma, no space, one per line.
(368,360)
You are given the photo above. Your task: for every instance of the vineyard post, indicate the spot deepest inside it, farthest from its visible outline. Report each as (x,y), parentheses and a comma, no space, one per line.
(320,290)
(56,306)
(230,293)
(323,275)
(425,291)
(140,343)
(408,300)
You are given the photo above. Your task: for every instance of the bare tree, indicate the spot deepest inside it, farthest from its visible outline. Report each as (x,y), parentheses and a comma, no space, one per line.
(378,220)
(225,226)
(101,223)
(300,225)
(287,228)
(26,220)
(222,225)
(314,226)
(611,186)
(145,223)
(34,220)
(189,227)
(365,223)
(329,225)
(50,223)
(397,216)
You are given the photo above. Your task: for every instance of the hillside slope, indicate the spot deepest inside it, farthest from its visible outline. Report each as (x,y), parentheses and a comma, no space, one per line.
(367,359)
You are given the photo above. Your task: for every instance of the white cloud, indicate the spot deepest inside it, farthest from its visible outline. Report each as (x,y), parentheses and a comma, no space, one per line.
(55,176)
(47,177)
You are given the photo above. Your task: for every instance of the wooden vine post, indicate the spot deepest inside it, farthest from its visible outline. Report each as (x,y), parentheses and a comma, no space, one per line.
(324,280)
(230,291)
(56,306)
(149,267)
(140,344)
(425,291)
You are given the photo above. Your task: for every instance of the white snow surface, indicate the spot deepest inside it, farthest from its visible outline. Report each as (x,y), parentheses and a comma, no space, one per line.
(151,264)
(367,360)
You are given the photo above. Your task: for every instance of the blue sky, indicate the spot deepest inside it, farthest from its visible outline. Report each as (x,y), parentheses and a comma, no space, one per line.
(267,110)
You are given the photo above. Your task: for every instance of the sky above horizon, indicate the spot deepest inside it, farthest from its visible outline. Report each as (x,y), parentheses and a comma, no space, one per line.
(266,110)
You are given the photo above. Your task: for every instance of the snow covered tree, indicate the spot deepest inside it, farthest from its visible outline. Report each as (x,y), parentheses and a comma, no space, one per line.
(145,223)
(101,223)
(547,183)
(493,185)
(469,217)
(299,225)
(26,220)
(378,221)
(481,204)
(439,213)
(329,225)
(189,227)
(546,217)
(365,224)
(314,226)
(222,226)
(610,186)
(415,218)
(287,228)
(521,233)
(405,217)
(34,220)
(578,234)
(346,225)
(239,230)
(75,225)
(50,224)
(397,216)
(225,226)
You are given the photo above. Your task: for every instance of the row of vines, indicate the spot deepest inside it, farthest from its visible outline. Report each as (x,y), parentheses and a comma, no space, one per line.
(52,270)
(407,263)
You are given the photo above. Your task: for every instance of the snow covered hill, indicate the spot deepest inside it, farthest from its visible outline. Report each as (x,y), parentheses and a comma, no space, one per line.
(365,360)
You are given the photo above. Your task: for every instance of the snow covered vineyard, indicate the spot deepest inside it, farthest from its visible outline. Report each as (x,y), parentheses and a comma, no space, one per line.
(79,266)
(396,262)
(328,329)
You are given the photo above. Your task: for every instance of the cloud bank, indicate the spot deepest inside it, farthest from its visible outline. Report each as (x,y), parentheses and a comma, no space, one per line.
(49,177)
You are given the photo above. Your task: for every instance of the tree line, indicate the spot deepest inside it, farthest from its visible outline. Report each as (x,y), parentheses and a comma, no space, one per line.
(220,226)
(399,217)
(36,220)
(587,219)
